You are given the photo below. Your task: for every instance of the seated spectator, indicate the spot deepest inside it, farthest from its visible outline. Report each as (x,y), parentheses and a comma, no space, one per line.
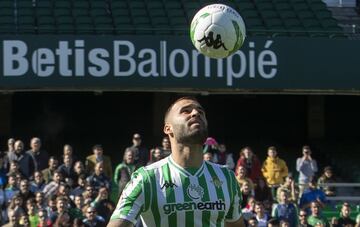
(103,204)
(52,187)
(273,222)
(11,188)
(63,190)
(40,156)
(13,219)
(303,218)
(32,212)
(68,150)
(76,212)
(124,170)
(141,154)
(38,183)
(345,219)
(251,163)
(262,191)
(166,147)
(99,179)
(260,215)
(208,156)
(40,201)
(274,170)
(16,205)
(89,194)
(285,223)
(96,157)
(48,173)
(44,220)
(241,178)
(312,194)
(285,210)
(14,168)
(51,206)
(78,223)
(155,155)
(67,170)
(24,220)
(291,188)
(222,157)
(26,162)
(307,167)
(245,193)
(61,209)
(316,218)
(92,219)
(63,220)
(210,146)
(79,169)
(253,222)
(249,210)
(327,177)
(79,190)
(25,192)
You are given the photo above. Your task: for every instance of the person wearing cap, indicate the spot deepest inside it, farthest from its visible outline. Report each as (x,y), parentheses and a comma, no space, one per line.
(141,154)
(98,156)
(307,167)
(327,177)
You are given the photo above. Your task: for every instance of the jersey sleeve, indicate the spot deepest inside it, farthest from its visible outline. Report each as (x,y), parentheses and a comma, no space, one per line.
(132,200)
(234,212)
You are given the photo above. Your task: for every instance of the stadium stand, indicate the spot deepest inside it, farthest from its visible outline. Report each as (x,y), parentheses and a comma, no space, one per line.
(262,17)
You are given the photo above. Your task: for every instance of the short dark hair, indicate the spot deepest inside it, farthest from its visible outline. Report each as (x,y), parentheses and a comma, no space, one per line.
(274,221)
(97,147)
(176,101)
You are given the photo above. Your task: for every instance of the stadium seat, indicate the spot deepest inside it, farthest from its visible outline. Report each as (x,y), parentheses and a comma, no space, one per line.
(7,4)
(157,13)
(159,21)
(268,14)
(80,4)
(78,12)
(286,14)
(155,5)
(122,20)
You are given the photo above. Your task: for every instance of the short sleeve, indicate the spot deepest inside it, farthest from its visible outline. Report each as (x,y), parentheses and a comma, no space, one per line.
(234,212)
(132,199)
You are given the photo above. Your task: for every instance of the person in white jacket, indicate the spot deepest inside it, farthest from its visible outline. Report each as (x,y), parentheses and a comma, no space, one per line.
(307,167)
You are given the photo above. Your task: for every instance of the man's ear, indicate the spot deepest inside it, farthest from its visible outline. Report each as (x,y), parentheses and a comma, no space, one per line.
(168,129)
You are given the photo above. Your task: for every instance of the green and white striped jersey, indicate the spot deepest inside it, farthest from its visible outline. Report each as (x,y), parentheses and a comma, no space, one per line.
(165,194)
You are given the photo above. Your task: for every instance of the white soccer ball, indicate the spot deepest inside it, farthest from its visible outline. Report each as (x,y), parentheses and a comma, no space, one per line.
(217,31)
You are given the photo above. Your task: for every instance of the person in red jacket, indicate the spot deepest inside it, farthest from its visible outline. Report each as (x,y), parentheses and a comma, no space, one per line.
(252,164)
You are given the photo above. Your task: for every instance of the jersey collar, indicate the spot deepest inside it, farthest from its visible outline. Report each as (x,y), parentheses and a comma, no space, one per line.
(184,171)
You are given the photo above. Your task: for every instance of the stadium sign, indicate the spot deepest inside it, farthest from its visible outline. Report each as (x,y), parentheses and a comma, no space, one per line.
(149,62)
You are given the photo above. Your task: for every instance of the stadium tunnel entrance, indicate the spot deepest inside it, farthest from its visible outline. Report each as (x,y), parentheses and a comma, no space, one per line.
(83,119)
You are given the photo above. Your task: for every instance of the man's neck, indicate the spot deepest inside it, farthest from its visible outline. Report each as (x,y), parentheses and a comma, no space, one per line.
(261,215)
(187,156)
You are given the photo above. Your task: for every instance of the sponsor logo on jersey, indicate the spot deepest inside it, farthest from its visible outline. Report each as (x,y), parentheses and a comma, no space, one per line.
(218,205)
(195,191)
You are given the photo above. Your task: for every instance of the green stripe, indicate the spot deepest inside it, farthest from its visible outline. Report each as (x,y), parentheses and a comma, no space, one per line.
(146,188)
(189,215)
(154,204)
(177,167)
(170,193)
(231,191)
(130,199)
(220,219)
(206,198)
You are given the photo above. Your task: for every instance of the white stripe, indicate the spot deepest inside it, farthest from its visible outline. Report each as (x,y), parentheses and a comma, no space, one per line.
(197,213)
(212,195)
(161,195)
(179,194)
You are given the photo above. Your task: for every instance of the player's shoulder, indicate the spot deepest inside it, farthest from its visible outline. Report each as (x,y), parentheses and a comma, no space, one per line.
(157,165)
(217,166)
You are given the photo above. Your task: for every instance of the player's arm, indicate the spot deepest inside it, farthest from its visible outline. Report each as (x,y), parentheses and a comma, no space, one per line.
(120,223)
(238,223)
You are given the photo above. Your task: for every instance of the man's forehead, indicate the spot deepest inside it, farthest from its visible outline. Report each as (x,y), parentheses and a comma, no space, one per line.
(186,102)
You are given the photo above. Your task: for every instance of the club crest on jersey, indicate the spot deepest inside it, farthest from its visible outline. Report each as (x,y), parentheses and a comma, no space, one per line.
(195,191)
(217,182)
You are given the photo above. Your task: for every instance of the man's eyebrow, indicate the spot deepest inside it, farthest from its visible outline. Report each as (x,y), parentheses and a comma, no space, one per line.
(193,106)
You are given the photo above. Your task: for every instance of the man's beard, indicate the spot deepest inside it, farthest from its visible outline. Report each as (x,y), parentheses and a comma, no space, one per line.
(185,136)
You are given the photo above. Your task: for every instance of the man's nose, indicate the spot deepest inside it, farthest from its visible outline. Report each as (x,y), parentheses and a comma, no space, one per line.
(194,112)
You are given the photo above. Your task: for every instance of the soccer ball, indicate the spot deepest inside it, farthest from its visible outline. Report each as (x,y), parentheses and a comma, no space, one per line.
(217,31)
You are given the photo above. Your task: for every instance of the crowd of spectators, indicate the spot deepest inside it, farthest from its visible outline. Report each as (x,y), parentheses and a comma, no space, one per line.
(40,190)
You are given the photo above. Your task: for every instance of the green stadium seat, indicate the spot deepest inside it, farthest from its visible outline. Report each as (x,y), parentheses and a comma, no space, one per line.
(98,5)
(122,20)
(46,20)
(318,6)
(66,28)
(104,29)
(250,14)
(175,13)
(124,29)
(311,24)
(85,28)
(139,12)
(191,5)
(7,4)
(283,6)
(274,24)
(26,12)
(285,14)
(137,5)
(155,5)
(98,12)
(7,12)
(172,5)
(141,20)
(46,29)
(62,4)
(292,22)
(268,14)
(159,21)
(83,20)
(26,20)
(157,13)
(102,20)
(300,6)
(119,5)
(178,21)
(64,20)
(265,6)
(306,15)
(58,12)
(254,22)
(44,4)
(323,14)
(245,6)
(78,12)
(24,4)
(329,22)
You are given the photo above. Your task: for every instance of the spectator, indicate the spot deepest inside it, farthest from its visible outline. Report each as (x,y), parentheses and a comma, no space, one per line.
(312,194)
(273,222)
(51,207)
(245,193)
(124,170)
(52,187)
(316,217)
(307,167)
(303,218)
(11,189)
(251,163)
(261,216)
(249,210)
(24,220)
(208,156)
(345,219)
(79,169)
(210,146)
(25,192)
(3,170)
(63,220)
(48,173)
(326,178)
(13,219)
(14,168)
(67,170)
(222,157)
(16,205)
(32,212)
(80,189)
(63,190)
(38,184)
(155,155)
(262,191)
(26,162)
(76,212)
(68,150)
(98,156)
(61,208)
(44,220)
(10,145)
(285,223)
(103,204)
(141,154)
(40,157)
(98,179)
(253,222)
(291,188)
(166,147)
(78,223)
(274,170)
(285,210)
(40,201)
(92,220)
(241,178)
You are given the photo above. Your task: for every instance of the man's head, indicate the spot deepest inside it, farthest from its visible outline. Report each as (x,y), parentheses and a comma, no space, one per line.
(35,144)
(98,150)
(166,143)
(19,147)
(79,167)
(13,218)
(58,177)
(302,216)
(284,195)
(241,171)
(67,149)
(207,156)
(79,201)
(315,208)
(284,223)
(306,150)
(61,204)
(38,177)
(328,171)
(53,163)
(259,208)
(30,206)
(247,152)
(12,180)
(136,140)
(99,168)
(157,154)
(345,210)
(67,159)
(245,188)
(129,156)
(185,122)
(39,197)
(10,144)
(252,222)
(90,213)
(272,152)
(24,186)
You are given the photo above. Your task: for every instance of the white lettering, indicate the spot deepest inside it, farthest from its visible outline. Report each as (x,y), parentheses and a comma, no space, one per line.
(43,60)
(172,63)
(96,57)
(128,57)
(14,61)
(64,52)
(230,72)
(151,62)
